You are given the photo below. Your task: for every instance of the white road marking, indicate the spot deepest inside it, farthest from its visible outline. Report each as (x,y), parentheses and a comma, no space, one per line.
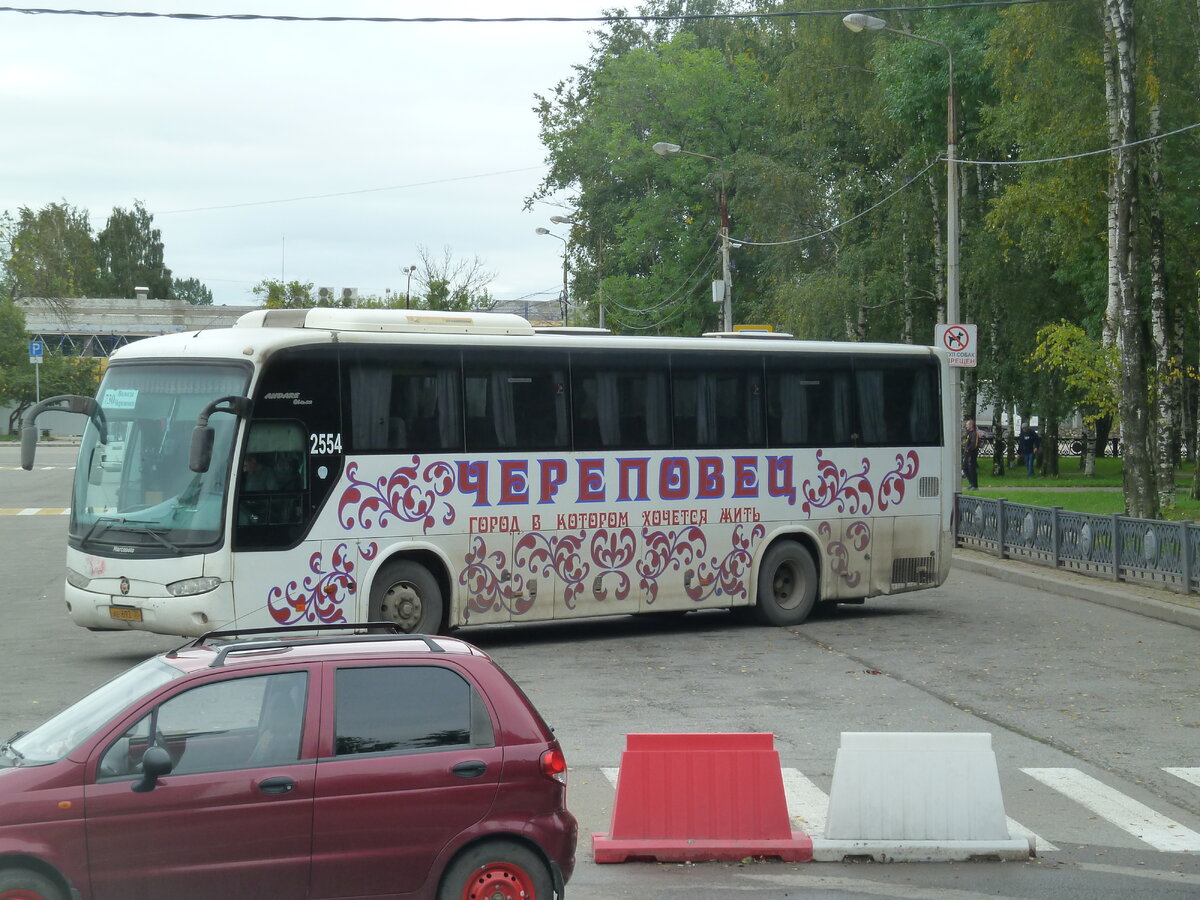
(1124,812)
(1191,773)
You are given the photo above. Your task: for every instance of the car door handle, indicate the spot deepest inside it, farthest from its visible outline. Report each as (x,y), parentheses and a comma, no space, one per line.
(472,769)
(279,785)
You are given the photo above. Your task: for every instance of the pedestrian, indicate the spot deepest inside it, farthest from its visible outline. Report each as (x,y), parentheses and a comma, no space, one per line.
(970,455)
(1029,442)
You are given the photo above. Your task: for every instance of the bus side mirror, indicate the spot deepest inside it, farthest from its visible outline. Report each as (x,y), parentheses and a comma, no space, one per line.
(62,403)
(200,454)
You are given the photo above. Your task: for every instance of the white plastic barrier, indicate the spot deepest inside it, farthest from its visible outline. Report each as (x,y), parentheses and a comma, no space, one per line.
(917,796)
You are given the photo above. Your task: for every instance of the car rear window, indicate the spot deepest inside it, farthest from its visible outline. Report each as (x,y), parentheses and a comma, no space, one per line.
(407,708)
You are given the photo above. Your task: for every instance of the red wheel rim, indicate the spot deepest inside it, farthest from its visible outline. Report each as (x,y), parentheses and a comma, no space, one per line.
(497,881)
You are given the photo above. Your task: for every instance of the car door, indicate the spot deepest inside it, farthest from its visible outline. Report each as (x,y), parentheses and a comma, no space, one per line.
(410,762)
(234,816)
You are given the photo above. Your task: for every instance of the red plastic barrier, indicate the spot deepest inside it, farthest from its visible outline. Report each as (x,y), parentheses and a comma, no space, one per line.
(693,797)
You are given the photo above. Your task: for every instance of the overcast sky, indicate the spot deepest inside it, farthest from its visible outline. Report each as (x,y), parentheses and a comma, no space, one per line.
(204,122)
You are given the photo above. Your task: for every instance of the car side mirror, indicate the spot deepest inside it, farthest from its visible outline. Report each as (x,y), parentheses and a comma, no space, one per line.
(156,762)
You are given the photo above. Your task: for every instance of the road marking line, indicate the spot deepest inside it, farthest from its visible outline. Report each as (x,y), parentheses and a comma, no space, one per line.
(1126,813)
(35,511)
(808,806)
(37,468)
(1187,773)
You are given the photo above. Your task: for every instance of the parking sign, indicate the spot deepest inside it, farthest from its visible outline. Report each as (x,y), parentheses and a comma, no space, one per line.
(35,352)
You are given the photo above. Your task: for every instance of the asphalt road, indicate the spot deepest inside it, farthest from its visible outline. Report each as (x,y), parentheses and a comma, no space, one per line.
(1105,695)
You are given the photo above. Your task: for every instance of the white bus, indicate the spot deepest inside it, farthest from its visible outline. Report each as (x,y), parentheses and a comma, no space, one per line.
(439,470)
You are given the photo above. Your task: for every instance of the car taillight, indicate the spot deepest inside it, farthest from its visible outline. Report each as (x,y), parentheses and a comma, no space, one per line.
(554,765)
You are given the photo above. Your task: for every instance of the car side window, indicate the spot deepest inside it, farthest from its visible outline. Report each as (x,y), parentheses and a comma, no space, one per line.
(398,709)
(232,724)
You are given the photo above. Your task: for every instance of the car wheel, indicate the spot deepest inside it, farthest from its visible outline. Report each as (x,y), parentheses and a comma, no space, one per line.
(498,870)
(23,884)
(407,594)
(787,585)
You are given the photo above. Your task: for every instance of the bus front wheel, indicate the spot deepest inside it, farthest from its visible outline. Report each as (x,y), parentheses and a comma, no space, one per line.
(787,585)
(407,594)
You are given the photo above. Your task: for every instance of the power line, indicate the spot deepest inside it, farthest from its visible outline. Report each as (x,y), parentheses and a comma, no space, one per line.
(394,187)
(471,20)
(842,224)
(1030,162)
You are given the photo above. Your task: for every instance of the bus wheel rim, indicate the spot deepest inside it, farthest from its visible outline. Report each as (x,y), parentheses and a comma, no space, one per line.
(786,593)
(403,603)
(499,881)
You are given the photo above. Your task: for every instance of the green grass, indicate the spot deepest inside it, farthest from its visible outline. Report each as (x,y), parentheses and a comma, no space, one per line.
(1072,490)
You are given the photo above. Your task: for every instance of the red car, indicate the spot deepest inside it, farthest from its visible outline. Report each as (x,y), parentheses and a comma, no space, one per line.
(268,764)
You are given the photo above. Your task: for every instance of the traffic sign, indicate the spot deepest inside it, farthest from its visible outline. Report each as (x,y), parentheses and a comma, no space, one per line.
(960,341)
(35,352)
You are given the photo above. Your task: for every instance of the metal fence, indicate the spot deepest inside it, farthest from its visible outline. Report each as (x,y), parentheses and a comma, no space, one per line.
(1119,548)
(1067,446)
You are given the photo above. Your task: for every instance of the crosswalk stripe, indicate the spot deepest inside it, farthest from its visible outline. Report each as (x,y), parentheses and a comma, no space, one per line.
(1124,812)
(35,511)
(807,806)
(1191,773)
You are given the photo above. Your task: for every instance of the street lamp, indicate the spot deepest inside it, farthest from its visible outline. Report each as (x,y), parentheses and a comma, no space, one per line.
(662,148)
(408,270)
(563,220)
(547,231)
(857,22)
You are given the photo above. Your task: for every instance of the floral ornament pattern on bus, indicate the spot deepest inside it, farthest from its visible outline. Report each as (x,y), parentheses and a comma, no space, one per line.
(858,533)
(321,595)
(550,555)
(486,590)
(667,549)
(891,489)
(409,494)
(836,488)
(728,575)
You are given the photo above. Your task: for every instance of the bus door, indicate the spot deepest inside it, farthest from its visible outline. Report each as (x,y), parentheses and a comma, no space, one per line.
(292,459)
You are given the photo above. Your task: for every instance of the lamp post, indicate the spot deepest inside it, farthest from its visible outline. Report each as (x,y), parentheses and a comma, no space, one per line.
(408,270)
(662,148)
(563,220)
(857,22)
(547,231)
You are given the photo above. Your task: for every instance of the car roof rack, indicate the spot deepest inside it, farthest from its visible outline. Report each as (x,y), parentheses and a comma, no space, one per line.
(277,643)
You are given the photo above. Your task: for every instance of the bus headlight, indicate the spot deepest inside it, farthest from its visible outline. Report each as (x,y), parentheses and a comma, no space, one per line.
(189,586)
(77,579)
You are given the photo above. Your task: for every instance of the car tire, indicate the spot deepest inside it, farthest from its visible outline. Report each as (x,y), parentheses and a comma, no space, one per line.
(787,585)
(497,869)
(25,884)
(406,594)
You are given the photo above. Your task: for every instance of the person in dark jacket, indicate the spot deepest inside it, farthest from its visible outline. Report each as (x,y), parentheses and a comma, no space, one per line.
(970,455)
(1029,442)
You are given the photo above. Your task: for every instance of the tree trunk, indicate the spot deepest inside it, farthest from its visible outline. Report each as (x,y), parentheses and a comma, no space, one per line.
(1048,456)
(1166,382)
(998,441)
(939,253)
(1141,497)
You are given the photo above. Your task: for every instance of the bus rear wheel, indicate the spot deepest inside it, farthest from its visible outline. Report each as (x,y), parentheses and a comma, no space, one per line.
(787,585)
(407,594)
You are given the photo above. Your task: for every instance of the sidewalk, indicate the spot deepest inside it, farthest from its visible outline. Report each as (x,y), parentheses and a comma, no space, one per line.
(1181,609)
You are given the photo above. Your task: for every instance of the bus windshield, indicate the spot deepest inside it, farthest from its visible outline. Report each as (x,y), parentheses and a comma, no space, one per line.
(135,489)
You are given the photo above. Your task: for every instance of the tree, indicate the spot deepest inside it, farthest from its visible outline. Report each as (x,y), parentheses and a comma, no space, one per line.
(130,255)
(52,254)
(452,284)
(275,294)
(191,290)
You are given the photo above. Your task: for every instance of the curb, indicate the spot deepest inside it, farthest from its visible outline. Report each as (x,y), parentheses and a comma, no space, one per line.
(1156,604)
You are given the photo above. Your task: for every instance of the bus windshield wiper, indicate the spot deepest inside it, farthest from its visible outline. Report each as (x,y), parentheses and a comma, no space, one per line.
(117,522)
(146,528)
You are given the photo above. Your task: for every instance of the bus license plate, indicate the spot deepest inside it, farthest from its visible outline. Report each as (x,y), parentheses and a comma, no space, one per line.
(125,613)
